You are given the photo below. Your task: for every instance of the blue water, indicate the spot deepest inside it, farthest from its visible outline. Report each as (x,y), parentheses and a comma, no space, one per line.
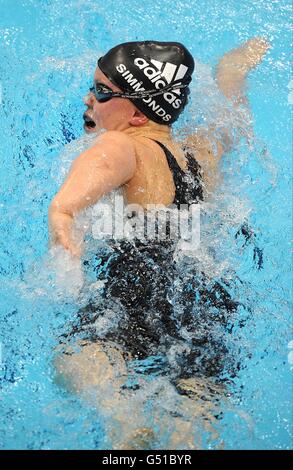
(48,53)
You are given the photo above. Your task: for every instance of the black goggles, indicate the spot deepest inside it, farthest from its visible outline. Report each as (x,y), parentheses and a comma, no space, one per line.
(103,93)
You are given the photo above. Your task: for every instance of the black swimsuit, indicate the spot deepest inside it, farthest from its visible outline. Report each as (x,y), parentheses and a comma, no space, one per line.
(188,185)
(139,283)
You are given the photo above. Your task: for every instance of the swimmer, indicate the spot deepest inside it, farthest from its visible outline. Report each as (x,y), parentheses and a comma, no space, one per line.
(139,91)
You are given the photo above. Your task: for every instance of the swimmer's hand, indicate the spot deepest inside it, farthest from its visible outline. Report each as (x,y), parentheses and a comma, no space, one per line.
(61,225)
(64,273)
(74,249)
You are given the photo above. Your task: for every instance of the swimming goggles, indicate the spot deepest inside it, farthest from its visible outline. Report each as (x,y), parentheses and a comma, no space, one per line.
(103,93)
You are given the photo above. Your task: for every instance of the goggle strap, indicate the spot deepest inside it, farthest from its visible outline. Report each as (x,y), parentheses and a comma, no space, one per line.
(146,93)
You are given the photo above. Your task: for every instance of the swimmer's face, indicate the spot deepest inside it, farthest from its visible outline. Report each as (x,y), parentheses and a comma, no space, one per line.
(116,114)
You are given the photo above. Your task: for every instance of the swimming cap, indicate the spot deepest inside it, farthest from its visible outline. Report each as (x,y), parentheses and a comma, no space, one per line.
(151,65)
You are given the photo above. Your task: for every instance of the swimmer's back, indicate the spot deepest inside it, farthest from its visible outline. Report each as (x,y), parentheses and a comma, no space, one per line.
(153,181)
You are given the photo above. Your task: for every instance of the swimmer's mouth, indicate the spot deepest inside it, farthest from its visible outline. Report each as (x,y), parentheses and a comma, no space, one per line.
(88,122)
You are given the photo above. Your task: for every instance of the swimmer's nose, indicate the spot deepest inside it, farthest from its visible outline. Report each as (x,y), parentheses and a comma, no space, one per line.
(88,99)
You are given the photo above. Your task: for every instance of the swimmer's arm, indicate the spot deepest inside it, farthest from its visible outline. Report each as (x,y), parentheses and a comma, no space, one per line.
(233,67)
(109,164)
(207,146)
(231,72)
(231,75)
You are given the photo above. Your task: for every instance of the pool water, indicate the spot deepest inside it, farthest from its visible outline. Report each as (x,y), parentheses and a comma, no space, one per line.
(48,53)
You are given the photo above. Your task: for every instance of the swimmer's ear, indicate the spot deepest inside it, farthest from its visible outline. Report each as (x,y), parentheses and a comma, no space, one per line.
(138,118)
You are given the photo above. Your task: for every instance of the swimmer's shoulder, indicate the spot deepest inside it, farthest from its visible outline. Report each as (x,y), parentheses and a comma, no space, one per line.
(112,139)
(204,147)
(112,152)
(207,151)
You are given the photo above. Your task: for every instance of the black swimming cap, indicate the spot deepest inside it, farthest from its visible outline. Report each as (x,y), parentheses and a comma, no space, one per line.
(151,65)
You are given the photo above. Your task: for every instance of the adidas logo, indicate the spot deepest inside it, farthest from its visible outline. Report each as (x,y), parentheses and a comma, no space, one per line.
(163,74)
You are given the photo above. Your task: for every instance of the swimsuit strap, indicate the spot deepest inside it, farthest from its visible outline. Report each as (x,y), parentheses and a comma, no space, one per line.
(172,162)
(188,185)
